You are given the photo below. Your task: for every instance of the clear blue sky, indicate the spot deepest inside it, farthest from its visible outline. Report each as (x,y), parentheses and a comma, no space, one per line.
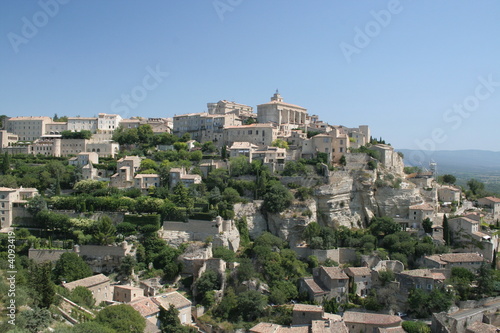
(403,83)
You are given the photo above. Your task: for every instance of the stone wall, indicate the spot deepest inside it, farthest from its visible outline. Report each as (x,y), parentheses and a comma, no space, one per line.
(43,255)
(340,255)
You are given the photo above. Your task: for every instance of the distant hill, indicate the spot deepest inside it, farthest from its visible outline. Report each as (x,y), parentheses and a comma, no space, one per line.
(482,165)
(450,161)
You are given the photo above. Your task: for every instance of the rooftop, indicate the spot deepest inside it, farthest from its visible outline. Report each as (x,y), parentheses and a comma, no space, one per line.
(493,199)
(313,286)
(460,257)
(424,273)
(307,308)
(256,125)
(358,271)
(145,306)
(335,273)
(424,206)
(370,318)
(173,298)
(87,282)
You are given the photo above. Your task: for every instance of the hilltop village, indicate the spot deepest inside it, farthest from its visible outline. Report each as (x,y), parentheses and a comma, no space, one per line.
(234,220)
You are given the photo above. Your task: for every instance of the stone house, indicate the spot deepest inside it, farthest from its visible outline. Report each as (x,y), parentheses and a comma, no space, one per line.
(304,314)
(260,134)
(181,303)
(362,278)
(12,204)
(99,285)
(492,205)
(242,149)
(449,194)
(84,158)
(471,261)
(144,181)
(465,231)
(326,283)
(423,279)
(358,322)
(418,213)
(103,258)
(127,294)
(180,175)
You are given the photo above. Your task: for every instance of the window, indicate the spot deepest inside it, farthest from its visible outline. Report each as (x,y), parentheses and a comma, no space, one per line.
(429,287)
(417,286)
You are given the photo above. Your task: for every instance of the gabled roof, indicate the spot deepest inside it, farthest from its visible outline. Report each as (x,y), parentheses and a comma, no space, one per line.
(334,273)
(358,271)
(307,308)
(87,282)
(423,273)
(424,206)
(145,306)
(174,298)
(370,318)
(492,199)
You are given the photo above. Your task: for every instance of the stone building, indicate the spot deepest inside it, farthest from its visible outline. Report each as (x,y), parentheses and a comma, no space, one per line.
(225,107)
(7,139)
(127,294)
(362,278)
(108,123)
(304,314)
(203,126)
(326,283)
(84,158)
(418,213)
(78,124)
(180,175)
(12,204)
(358,322)
(424,279)
(465,231)
(99,285)
(449,194)
(492,205)
(284,115)
(144,181)
(470,261)
(27,128)
(257,134)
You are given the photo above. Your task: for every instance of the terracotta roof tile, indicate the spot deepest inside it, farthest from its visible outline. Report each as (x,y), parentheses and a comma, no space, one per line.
(370,318)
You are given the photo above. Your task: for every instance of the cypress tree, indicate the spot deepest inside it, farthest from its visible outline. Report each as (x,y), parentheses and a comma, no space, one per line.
(446,231)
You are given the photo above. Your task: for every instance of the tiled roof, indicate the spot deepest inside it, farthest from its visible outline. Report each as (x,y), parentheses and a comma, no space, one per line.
(335,273)
(257,125)
(358,271)
(145,306)
(264,328)
(492,199)
(461,257)
(423,273)
(144,175)
(87,282)
(424,206)
(241,145)
(174,298)
(313,286)
(370,318)
(307,308)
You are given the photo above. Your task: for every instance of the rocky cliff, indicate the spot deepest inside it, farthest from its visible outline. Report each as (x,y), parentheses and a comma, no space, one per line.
(349,197)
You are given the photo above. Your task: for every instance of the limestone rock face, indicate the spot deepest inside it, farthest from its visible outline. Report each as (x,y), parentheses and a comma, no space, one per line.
(256,221)
(289,224)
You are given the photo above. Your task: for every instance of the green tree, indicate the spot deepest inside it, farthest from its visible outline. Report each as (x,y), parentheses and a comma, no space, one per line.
(5,166)
(34,320)
(446,231)
(104,231)
(41,286)
(208,147)
(331,305)
(82,296)
(449,179)
(427,225)
(251,305)
(170,322)
(71,267)
(475,186)
(382,226)
(36,205)
(127,266)
(148,164)
(277,197)
(145,134)
(88,186)
(280,143)
(416,327)
(122,318)
(485,281)
(208,281)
